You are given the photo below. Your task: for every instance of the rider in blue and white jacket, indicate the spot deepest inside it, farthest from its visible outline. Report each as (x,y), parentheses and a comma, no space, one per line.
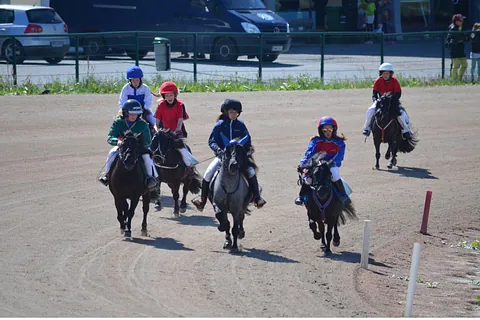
(232,128)
(137,90)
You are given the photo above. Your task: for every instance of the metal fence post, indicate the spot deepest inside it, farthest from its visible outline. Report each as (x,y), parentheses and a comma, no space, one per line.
(443,54)
(137,49)
(77,67)
(195,49)
(382,47)
(14,71)
(260,57)
(322,57)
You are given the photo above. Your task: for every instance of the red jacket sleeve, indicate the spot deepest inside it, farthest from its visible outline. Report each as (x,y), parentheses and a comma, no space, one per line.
(396,85)
(159,112)
(376,85)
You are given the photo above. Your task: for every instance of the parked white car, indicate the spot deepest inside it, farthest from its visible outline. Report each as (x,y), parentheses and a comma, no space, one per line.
(32,20)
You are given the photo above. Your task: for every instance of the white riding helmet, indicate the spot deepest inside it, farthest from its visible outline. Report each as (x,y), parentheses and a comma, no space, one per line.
(386,67)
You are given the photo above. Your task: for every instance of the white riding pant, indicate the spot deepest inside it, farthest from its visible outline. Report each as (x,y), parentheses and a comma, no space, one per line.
(187,157)
(113,153)
(402,119)
(215,164)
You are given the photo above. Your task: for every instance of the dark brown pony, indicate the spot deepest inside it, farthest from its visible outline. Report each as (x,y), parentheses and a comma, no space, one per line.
(172,170)
(386,129)
(323,205)
(127,181)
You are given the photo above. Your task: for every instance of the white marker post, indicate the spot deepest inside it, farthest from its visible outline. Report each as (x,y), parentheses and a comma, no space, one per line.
(366,244)
(412,282)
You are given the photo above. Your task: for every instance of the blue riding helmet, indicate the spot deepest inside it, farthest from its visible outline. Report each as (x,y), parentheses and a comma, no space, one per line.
(134,72)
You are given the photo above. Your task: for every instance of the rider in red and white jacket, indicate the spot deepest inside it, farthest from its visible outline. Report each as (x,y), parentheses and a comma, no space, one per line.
(387,82)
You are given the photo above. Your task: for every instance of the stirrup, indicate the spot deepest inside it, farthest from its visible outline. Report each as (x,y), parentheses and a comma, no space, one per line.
(299,201)
(366,132)
(259,202)
(103,180)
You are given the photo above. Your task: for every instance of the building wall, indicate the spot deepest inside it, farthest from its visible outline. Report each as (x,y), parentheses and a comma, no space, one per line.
(30,2)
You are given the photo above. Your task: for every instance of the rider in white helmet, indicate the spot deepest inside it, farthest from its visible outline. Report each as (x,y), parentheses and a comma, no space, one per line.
(387,82)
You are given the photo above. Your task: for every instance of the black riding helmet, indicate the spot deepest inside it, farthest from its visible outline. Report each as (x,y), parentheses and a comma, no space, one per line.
(231,104)
(131,106)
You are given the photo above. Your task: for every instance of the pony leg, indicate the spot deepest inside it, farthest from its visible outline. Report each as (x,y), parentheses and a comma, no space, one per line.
(329,239)
(377,154)
(175,192)
(183,203)
(131,213)
(336,235)
(228,238)
(393,161)
(146,208)
(388,153)
(235,228)
(321,227)
(241,231)
(158,190)
(222,218)
(122,206)
(313,226)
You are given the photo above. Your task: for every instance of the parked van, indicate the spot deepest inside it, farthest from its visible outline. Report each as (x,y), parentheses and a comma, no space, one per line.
(160,17)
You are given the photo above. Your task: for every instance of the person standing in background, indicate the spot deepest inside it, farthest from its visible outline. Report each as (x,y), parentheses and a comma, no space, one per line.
(320,7)
(455,42)
(475,54)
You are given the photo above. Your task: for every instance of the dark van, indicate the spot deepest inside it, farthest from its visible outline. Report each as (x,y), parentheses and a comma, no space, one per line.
(248,17)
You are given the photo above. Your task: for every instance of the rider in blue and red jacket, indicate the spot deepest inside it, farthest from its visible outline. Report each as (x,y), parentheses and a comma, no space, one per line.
(334,146)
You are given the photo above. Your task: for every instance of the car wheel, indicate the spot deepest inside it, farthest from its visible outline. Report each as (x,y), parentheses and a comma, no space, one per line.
(94,48)
(53,60)
(7,52)
(269,57)
(224,50)
(141,54)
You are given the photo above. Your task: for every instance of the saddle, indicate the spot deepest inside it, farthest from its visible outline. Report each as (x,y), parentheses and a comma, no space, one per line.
(248,198)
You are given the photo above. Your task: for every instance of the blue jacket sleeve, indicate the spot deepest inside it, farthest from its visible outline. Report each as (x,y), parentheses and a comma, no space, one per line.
(213,140)
(341,153)
(248,143)
(311,150)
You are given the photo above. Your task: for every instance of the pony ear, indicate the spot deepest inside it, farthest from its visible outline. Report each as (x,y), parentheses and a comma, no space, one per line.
(225,139)
(244,139)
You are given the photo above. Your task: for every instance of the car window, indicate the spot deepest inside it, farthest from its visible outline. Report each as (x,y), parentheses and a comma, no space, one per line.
(6,16)
(43,16)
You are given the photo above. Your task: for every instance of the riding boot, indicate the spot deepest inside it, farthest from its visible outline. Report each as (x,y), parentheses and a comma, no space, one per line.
(151,182)
(200,203)
(257,198)
(302,198)
(342,194)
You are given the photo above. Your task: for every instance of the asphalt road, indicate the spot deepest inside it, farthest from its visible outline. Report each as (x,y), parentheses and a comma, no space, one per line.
(355,61)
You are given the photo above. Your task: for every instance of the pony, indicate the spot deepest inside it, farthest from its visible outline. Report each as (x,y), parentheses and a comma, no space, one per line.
(386,129)
(230,192)
(172,170)
(127,181)
(323,206)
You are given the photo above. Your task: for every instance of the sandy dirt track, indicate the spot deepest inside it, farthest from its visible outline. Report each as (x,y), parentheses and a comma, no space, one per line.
(63,255)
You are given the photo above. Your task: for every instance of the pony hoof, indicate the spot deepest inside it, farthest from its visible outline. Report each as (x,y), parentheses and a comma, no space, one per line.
(158,205)
(227,245)
(176,214)
(183,208)
(336,243)
(128,234)
(390,166)
(387,156)
(234,250)
(144,233)
(317,236)
(241,234)
(328,253)
(377,167)
(222,227)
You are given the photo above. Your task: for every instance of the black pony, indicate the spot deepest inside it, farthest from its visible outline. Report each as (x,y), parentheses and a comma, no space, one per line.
(386,129)
(127,181)
(171,168)
(322,203)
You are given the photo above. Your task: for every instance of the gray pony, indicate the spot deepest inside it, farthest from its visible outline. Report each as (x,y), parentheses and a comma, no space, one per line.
(231,193)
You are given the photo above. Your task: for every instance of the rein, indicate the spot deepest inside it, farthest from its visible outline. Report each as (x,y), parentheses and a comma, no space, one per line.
(320,206)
